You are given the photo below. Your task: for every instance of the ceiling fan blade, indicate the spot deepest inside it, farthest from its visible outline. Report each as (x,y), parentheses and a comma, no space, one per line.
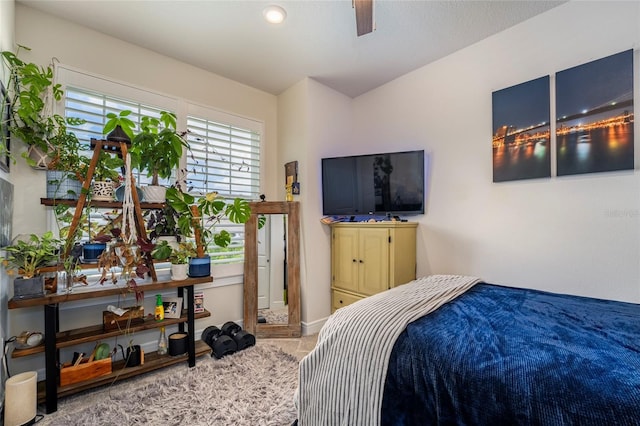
(364,16)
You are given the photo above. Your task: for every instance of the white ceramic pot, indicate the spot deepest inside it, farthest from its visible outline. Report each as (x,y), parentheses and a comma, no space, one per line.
(103,191)
(154,193)
(179,271)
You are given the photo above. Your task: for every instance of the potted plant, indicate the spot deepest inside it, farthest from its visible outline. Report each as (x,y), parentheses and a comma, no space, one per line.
(118,127)
(32,92)
(157,149)
(106,176)
(178,256)
(27,257)
(198,217)
(162,225)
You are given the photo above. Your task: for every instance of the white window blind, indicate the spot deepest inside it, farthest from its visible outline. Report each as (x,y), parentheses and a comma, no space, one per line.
(93,107)
(224,158)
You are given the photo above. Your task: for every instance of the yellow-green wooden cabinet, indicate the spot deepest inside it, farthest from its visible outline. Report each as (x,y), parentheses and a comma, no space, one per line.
(370,257)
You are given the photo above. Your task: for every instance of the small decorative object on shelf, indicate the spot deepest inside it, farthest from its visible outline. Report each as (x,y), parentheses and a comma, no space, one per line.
(291,180)
(198,301)
(172,307)
(162,342)
(159,308)
(178,343)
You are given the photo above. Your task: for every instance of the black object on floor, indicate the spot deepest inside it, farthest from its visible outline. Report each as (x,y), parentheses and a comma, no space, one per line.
(220,343)
(242,338)
(262,319)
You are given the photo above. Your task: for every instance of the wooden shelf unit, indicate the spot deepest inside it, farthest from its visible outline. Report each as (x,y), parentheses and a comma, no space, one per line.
(55,339)
(52,202)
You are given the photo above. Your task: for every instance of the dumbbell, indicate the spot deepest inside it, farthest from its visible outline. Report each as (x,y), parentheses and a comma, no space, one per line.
(242,338)
(220,343)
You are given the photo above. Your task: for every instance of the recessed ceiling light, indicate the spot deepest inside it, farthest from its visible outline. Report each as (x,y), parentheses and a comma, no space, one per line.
(274,14)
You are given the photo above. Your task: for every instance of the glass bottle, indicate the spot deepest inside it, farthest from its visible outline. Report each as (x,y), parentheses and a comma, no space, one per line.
(159,308)
(162,342)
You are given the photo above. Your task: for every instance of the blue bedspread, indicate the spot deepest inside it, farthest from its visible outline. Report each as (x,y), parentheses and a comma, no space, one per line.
(505,356)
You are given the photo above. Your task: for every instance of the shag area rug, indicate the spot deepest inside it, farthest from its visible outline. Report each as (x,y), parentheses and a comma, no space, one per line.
(255,386)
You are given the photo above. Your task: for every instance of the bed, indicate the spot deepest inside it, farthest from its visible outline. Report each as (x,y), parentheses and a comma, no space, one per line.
(455,350)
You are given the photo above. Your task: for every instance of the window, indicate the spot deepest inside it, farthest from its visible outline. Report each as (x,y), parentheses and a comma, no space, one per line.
(224,153)
(224,158)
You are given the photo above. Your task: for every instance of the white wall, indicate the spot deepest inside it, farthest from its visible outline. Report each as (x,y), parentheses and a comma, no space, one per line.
(311,119)
(575,234)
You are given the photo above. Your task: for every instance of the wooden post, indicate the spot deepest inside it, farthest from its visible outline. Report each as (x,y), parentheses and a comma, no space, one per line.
(197,233)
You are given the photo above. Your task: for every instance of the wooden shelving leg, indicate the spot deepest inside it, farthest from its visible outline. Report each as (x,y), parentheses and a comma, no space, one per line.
(51,368)
(191,326)
(181,295)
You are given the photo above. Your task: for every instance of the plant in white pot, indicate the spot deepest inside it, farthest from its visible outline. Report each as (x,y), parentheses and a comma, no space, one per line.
(106,177)
(157,149)
(178,256)
(27,257)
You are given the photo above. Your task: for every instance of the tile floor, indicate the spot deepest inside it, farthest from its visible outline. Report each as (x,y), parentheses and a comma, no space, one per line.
(298,347)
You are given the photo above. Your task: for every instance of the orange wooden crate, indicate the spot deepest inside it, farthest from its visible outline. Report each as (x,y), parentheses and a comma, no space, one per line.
(84,371)
(133,316)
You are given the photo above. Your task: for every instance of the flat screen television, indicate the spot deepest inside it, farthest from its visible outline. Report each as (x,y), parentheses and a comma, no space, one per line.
(374,184)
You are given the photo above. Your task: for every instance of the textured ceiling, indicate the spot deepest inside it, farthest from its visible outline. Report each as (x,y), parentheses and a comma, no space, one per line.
(318,38)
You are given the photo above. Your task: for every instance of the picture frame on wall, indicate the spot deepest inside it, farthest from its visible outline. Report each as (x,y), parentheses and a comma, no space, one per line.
(521,131)
(594,109)
(5,134)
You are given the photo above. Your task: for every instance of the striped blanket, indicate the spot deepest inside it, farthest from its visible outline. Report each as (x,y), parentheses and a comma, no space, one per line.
(341,381)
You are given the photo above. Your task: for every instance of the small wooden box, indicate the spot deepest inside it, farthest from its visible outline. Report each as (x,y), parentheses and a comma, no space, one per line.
(111,321)
(84,371)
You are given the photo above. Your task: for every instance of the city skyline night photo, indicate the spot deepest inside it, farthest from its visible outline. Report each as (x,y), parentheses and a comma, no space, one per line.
(594,109)
(521,131)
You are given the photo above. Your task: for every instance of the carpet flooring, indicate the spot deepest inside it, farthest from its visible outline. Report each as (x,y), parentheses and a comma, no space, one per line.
(253,387)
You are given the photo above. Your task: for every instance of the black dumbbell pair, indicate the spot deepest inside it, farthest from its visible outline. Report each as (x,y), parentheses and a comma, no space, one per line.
(231,338)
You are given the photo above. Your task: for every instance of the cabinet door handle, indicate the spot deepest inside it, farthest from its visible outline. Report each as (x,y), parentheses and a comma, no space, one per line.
(354,261)
(361,261)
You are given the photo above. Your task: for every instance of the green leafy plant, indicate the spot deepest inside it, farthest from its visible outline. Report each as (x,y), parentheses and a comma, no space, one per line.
(158,147)
(121,119)
(107,167)
(32,93)
(179,256)
(28,256)
(163,222)
(198,216)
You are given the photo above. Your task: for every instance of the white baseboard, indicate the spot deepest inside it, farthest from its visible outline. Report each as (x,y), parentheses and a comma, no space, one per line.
(313,327)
